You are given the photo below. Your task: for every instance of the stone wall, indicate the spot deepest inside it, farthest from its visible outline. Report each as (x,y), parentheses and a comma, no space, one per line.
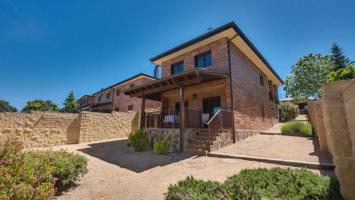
(171,134)
(224,138)
(101,126)
(40,129)
(333,118)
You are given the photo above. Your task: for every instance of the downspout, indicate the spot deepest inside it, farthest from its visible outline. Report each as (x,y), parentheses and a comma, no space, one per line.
(231,84)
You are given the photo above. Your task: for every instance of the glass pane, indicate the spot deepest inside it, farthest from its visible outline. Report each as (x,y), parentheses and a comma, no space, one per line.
(200,61)
(208,60)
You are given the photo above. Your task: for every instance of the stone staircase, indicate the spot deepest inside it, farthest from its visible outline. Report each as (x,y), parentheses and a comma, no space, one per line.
(200,145)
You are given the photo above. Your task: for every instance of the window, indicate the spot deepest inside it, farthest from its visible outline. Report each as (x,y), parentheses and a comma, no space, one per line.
(203,60)
(99,98)
(117,109)
(132,85)
(108,95)
(130,107)
(118,92)
(177,68)
(261,80)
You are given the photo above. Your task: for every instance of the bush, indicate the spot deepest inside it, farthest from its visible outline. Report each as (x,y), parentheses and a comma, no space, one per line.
(65,167)
(139,140)
(288,111)
(255,184)
(341,74)
(36,174)
(161,147)
(297,128)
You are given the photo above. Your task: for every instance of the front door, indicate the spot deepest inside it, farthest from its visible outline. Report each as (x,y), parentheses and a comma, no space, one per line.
(211,105)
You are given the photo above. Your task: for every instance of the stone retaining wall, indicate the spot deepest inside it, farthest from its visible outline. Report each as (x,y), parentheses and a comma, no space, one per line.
(333,118)
(40,129)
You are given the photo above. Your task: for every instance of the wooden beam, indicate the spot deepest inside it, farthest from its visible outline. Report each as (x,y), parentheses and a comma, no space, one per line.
(182,118)
(143,113)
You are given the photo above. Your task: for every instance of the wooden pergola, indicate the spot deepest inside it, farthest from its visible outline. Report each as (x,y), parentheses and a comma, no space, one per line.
(153,90)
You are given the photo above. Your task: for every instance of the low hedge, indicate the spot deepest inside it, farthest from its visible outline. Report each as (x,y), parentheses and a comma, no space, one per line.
(37,174)
(297,128)
(256,184)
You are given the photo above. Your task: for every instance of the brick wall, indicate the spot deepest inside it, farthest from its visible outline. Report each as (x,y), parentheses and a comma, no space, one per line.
(40,129)
(253,109)
(333,119)
(219,52)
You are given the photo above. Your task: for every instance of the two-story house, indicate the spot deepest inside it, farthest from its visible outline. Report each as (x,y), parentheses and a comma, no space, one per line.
(215,89)
(112,99)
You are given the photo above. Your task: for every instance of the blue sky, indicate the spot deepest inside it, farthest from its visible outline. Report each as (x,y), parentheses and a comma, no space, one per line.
(48,48)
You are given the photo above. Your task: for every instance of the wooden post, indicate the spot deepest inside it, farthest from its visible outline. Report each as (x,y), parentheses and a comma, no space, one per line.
(143,112)
(182,119)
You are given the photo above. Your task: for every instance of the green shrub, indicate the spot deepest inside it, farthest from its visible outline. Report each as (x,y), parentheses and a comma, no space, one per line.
(161,147)
(297,128)
(256,184)
(341,74)
(288,111)
(65,167)
(37,174)
(139,140)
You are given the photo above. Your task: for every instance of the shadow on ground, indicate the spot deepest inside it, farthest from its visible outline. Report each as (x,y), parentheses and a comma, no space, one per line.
(117,152)
(323,156)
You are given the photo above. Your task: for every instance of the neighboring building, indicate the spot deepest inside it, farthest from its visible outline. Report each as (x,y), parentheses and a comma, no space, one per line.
(112,99)
(224,84)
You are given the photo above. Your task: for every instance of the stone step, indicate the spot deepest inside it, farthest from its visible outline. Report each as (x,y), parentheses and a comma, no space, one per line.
(202,137)
(199,141)
(200,152)
(199,146)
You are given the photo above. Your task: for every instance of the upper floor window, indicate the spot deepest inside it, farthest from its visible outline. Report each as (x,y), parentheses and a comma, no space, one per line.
(203,60)
(177,68)
(130,107)
(99,98)
(118,92)
(262,80)
(108,95)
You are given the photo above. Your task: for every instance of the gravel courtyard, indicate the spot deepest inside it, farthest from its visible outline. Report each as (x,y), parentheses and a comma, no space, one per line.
(117,172)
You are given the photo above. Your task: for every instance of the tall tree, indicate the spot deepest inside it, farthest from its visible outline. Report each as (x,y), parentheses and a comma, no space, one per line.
(338,59)
(307,77)
(70,104)
(5,106)
(40,105)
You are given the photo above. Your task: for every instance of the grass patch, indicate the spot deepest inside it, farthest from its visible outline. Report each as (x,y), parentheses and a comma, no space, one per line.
(297,128)
(37,174)
(256,184)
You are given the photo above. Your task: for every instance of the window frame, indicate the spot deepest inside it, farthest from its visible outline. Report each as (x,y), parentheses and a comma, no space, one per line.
(177,64)
(204,54)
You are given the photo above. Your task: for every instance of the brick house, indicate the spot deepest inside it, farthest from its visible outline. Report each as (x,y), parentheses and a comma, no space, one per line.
(215,89)
(112,99)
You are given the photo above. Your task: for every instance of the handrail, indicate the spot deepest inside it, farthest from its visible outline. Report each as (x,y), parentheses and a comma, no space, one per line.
(218,122)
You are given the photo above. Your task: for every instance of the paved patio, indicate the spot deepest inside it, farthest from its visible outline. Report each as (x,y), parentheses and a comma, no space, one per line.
(115,171)
(279,147)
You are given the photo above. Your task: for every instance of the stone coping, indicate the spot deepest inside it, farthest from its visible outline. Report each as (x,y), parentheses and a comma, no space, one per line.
(294,163)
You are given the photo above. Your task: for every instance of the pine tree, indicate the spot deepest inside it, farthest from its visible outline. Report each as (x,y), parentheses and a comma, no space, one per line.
(338,59)
(70,104)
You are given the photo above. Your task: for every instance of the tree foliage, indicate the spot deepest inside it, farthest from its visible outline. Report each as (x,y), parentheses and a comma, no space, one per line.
(70,104)
(341,74)
(337,57)
(40,105)
(5,105)
(307,77)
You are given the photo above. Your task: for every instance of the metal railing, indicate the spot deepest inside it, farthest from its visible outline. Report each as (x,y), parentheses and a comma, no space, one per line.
(171,119)
(221,120)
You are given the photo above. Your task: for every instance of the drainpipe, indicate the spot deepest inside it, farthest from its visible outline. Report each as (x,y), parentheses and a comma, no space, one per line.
(231,85)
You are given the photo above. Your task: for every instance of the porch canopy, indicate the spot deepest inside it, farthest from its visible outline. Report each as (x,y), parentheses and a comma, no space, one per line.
(153,89)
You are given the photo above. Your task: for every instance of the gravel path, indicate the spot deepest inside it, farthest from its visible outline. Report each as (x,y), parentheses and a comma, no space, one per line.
(117,172)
